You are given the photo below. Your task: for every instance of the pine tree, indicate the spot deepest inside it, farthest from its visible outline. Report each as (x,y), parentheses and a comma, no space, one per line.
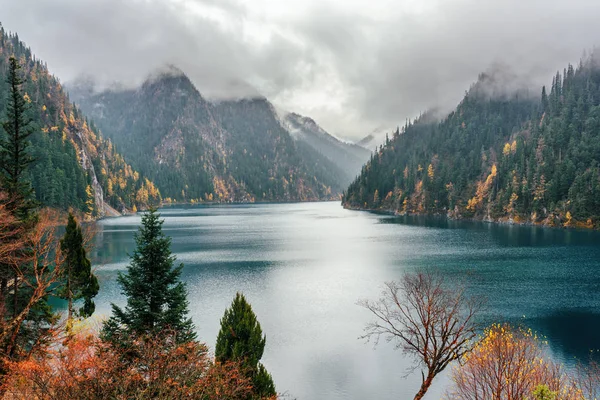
(15,159)
(156,298)
(15,155)
(241,339)
(80,281)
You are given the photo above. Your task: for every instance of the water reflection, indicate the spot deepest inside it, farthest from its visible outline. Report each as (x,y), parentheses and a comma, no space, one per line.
(304,266)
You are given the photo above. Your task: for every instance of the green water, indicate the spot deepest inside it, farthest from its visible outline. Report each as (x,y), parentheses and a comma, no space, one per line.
(304,266)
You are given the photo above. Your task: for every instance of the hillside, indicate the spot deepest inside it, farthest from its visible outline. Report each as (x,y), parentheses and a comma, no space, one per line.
(348,157)
(195,150)
(75,166)
(499,156)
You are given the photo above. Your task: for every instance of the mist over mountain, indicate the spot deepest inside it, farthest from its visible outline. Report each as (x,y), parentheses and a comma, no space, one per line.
(503,154)
(200,150)
(347,156)
(75,166)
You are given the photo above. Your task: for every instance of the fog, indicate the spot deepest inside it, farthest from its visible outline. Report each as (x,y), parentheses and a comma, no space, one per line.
(353,66)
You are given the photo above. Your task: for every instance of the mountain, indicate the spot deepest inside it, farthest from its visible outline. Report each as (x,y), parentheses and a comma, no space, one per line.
(75,167)
(196,150)
(499,156)
(373,139)
(348,157)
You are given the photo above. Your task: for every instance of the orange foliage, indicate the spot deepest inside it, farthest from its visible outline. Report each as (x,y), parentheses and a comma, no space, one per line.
(509,364)
(482,190)
(84,367)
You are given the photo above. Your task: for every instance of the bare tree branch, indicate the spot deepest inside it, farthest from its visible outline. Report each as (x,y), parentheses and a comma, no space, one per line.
(426,320)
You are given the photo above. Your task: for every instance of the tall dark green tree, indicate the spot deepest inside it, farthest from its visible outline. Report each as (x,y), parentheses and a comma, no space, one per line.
(156,297)
(15,154)
(15,160)
(79,280)
(241,339)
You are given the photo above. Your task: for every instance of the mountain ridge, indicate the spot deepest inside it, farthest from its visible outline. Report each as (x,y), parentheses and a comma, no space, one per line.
(227,150)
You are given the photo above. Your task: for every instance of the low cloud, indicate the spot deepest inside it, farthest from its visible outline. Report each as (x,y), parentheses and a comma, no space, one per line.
(351,65)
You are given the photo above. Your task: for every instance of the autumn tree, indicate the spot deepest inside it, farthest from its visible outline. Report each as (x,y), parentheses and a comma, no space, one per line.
(156,297)
(88,368)
(241,339)
(38,271)
(510,364)
(79,280)
(427,320)
(20,279)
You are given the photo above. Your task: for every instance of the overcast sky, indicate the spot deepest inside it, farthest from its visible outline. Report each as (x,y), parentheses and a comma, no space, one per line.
(352,65)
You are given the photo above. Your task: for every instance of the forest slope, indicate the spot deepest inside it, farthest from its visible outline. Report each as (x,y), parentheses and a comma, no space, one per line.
(196,150)
(75,166)
(498,156)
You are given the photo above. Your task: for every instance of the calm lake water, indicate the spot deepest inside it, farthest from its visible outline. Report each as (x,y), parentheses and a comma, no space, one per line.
(304,266)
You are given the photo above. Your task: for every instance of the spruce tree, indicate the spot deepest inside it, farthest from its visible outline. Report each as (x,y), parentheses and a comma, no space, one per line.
(15,159)
(15,155)
(79,280)
(241,339)
(156,298)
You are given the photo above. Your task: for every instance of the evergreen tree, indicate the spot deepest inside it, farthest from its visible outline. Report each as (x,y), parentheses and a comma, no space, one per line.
(15,155)
(156,298)
(241,339)
(15,159)
(80,281)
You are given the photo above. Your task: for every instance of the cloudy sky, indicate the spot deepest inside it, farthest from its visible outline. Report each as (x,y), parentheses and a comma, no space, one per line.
(353,65)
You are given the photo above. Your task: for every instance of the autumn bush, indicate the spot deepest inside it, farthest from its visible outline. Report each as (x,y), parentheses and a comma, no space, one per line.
(510,364)
(81,366)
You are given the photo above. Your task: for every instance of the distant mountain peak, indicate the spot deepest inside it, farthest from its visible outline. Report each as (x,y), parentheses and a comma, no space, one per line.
(166,71)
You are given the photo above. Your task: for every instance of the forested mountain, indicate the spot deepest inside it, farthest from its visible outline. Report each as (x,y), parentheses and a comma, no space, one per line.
(348,157)
(195,150)
(75,167)
(498,156)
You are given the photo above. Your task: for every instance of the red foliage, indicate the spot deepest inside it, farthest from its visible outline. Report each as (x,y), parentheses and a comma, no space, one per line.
(86,368)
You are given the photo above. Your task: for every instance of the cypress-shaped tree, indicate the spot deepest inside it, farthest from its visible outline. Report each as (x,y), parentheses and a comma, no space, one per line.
(156,298)
(241,339)
(79,280)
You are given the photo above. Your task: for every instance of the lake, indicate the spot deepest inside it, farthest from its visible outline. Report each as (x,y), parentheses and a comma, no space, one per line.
(304,266)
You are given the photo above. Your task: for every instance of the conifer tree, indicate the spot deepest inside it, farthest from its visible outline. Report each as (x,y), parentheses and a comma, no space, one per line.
(15,159)
(79,281)
(241,339)
(15,155)
(156,298)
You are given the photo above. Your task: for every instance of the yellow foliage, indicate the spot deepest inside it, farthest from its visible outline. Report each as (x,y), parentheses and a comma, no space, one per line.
(44,108)
(506,150)
(569,219)
(513,147)
(220,188)
(430,171)
(27,98)
(482,190)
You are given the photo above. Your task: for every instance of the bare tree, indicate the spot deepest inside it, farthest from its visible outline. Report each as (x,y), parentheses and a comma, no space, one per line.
(39,271)
(426,320)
